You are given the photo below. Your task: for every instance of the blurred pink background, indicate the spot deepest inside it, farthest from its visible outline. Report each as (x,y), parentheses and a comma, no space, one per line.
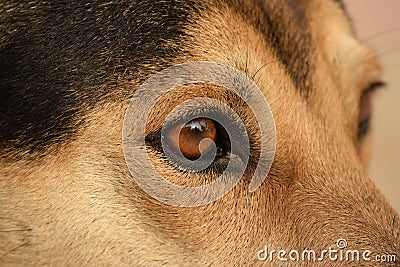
(378,23)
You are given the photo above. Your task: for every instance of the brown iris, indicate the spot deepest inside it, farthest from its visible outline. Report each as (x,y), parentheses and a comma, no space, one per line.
(193,138)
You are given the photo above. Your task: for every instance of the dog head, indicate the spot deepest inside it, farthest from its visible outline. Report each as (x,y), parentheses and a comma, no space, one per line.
(67,75)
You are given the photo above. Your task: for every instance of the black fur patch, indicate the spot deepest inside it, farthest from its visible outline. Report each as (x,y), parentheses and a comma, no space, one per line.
(285,28)
(58,60)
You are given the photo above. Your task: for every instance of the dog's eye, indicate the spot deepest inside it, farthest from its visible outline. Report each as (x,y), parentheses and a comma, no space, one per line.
(193,138)
(365,112)
(202,135)
(364,117)
(194,143)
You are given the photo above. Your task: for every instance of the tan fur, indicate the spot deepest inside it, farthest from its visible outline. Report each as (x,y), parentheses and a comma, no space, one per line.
(79,206)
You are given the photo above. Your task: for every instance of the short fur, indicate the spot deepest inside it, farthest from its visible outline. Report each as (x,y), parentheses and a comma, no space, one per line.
(67,72)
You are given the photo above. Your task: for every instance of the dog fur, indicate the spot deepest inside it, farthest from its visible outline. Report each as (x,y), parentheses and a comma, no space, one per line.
(67,73)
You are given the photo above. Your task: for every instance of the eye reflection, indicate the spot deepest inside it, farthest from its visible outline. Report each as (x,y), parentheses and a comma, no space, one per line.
(194,138)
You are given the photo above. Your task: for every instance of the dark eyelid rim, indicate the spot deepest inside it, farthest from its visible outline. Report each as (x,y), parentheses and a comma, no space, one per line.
(186,115)
(363,126)
(374,86)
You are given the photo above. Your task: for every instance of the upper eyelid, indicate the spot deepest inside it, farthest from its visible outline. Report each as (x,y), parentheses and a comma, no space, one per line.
(187,114)
(183,117)
(374,86)
(370,89)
